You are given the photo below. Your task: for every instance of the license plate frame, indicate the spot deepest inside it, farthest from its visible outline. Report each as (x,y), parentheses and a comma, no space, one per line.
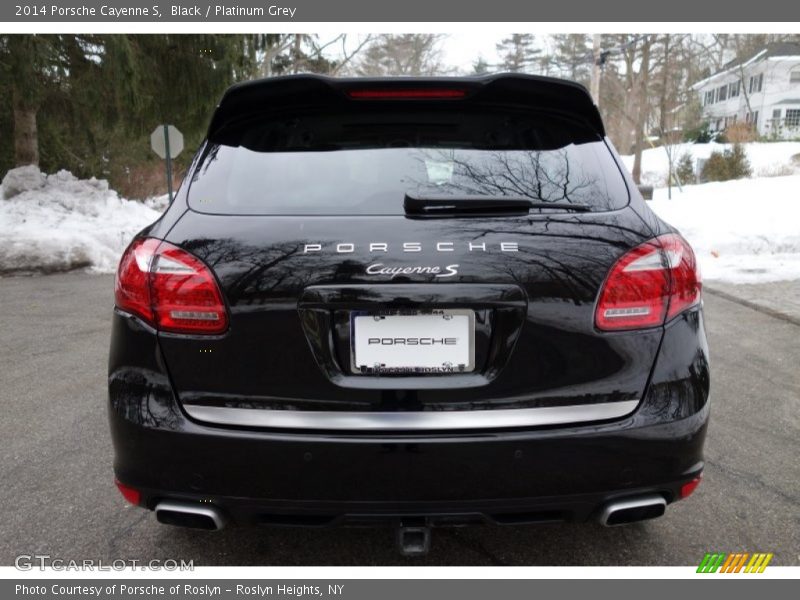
(436,324)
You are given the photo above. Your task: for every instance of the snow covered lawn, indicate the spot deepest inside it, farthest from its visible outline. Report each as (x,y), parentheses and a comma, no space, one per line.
(58,222)
(766,159)
(743,231)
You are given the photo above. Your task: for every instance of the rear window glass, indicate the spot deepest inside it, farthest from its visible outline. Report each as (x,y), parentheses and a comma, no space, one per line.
(365,164)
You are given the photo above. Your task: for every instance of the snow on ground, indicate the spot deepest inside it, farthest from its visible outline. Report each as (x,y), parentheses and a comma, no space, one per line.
(766,159)
(743,231)
(59,222)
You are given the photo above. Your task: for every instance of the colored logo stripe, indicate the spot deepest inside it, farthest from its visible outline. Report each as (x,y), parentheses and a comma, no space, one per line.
(734,563)
(711,562)
(758,563)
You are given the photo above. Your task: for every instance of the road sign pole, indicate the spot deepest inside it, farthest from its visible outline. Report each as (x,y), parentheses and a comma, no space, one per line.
(167,142)
(169,162)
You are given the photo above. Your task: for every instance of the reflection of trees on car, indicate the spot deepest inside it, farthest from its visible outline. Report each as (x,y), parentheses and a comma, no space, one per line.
(544,176)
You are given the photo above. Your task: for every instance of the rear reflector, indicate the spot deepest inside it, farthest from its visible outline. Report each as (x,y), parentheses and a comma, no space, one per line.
(170,289)
(649,285)
(688,488)
(407,94)
(130,494)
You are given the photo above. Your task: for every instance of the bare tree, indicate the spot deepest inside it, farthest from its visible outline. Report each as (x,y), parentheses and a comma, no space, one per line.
(349,55)
(643,106)
(572,56)
(306,53)
(273,48)
(411,54)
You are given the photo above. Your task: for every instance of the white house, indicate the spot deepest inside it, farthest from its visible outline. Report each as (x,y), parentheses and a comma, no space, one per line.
(763,90)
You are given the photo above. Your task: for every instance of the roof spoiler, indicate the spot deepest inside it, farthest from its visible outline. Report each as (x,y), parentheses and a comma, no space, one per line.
(251,98)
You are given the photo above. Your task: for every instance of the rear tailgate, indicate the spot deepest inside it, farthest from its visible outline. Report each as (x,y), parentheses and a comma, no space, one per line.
(299,213)
(287,344)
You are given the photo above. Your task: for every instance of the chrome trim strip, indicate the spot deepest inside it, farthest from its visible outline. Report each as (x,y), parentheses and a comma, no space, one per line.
(410,421)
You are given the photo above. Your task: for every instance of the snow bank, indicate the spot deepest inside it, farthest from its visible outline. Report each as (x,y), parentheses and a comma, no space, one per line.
(21,180)
(743,231)
(159,203)
(766,158)
(59,222)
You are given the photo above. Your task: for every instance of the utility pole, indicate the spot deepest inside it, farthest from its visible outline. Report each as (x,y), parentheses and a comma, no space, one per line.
(595,83)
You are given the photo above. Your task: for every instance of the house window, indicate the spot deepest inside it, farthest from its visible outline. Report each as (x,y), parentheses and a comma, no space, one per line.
(709,97)
(722,93)
(794,76)
(792,117)
(733,89)
(756,83)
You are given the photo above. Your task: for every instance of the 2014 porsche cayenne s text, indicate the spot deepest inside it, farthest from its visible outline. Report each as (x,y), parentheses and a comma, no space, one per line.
(415,302)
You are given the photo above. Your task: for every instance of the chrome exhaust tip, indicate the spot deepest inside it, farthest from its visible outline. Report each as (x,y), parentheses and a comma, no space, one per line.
(194,516)
(632,510)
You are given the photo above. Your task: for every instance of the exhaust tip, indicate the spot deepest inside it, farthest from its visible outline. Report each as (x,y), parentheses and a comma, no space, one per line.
(185,514)
(633,510)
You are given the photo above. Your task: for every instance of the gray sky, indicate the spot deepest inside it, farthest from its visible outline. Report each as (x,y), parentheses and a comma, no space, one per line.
(462,49)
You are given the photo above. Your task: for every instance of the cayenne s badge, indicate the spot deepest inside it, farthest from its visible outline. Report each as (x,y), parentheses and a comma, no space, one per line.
(435,270)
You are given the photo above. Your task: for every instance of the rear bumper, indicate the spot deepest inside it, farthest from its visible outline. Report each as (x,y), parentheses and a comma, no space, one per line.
(568,472)
(562,474)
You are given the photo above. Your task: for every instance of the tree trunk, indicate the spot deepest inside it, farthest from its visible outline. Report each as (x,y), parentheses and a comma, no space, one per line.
(26,139)
(641,115)
(298,39)
(597,41)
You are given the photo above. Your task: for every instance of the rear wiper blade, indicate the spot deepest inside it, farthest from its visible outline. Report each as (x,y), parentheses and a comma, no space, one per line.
(432,205)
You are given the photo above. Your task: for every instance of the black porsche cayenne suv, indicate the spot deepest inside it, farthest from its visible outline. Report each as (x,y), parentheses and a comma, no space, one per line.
(410,301)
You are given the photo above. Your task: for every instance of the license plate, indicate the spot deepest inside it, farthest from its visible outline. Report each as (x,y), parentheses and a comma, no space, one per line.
(440,342)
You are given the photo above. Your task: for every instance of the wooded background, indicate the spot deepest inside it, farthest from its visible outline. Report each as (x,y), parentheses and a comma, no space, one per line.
(87,103)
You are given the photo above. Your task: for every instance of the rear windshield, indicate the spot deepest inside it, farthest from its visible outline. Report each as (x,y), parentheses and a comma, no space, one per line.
(366,163)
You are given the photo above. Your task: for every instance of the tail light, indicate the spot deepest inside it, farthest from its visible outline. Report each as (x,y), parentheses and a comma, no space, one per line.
(169,289)
(649,285)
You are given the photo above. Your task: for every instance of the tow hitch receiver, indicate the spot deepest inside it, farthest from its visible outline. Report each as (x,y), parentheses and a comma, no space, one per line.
(414,537)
